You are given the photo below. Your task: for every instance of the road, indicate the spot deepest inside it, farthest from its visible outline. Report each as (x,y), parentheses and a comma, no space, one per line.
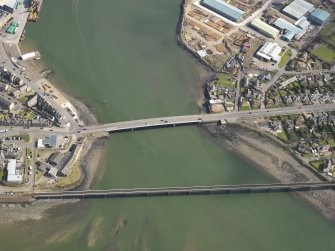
(238,86)
(170,121)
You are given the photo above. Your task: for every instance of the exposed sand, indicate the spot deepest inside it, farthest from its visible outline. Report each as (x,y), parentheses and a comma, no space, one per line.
(274,160)
(28,211)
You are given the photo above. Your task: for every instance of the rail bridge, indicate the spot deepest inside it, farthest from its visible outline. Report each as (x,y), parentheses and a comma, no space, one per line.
(186,191)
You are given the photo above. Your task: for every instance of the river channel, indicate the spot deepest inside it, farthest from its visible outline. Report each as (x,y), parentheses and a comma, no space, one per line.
(121,58)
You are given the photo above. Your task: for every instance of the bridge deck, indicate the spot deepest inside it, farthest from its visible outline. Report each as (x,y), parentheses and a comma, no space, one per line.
(194,190)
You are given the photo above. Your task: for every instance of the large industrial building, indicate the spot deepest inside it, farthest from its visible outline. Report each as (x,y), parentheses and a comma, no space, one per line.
(224,9)
(264,28)
(319,16)
(8,5)
(291,31)
(270,52)
(298,8)
(14,175)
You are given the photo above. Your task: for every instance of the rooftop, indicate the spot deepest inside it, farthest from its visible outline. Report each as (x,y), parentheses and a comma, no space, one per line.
(320,14)
(298,8)
(14,175)
(224,7)
(259,24)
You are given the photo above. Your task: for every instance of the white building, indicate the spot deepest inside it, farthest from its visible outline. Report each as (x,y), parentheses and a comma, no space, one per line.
(14,175)
(8,5)
(270,52)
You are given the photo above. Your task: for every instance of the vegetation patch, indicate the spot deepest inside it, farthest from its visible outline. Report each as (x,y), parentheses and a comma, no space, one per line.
(285,57)
(2,174)
(25,137)
(324,52)
(317,164)
(73,177)
(282,136)
(224,80)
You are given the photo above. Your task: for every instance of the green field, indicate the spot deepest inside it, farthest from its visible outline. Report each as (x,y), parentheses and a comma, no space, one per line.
(328,30)
(317,164)
(282,135)
(325,53)
(285,57)
(224,80)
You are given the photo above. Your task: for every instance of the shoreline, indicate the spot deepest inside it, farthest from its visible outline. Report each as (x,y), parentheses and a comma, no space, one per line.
(259,150)
(322,201)
(241,140)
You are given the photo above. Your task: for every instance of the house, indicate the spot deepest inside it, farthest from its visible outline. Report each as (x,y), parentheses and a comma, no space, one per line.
(299,122)
(275,125)
(53,172)
(6,102)
(327,77)
(313,121)
(289,124)
(327,166)
(302,148)
(323,119)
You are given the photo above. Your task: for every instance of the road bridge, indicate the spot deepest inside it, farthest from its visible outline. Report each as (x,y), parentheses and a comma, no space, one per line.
(202,118)
(171,121)
(186,191)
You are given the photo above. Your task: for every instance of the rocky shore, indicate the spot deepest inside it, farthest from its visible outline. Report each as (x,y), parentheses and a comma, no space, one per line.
(274,160)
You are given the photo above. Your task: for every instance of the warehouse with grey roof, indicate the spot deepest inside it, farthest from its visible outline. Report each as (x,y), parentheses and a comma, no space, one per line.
(224,9)
(298,8)
(319,16)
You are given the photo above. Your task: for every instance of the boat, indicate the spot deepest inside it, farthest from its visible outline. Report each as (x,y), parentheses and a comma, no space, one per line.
(34,10)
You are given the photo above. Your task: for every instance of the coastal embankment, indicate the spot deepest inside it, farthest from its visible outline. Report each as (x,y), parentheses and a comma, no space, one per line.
(273,160)
(207,67)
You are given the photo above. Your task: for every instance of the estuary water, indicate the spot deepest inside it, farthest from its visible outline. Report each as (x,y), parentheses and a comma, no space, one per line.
(121,58)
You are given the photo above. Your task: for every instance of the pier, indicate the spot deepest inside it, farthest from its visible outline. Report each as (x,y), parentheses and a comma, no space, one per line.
(186,191)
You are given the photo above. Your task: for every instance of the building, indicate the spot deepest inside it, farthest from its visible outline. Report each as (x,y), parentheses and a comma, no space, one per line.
(55,158)
(302,23)
(319,16)
(2,160)
(53,172)
(4,18)
(288,81)
(30,55)
(298,8)
(14,175)
(224,9)
(270,52)
(32,101)
(264,28)
(289,29)
(47,142)
(9,5)
(4,87)
(6,102)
